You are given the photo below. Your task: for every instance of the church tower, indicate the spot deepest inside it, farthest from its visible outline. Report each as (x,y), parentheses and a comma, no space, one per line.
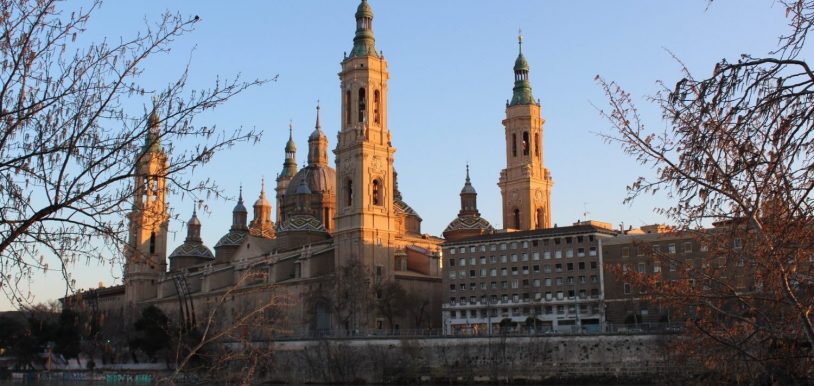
(525,184)
(289,170)
(146,249)
(365,226)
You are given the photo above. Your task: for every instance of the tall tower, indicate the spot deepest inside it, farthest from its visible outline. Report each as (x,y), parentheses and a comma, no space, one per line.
(146,249)
(365,224)
(525,183)
(289,170)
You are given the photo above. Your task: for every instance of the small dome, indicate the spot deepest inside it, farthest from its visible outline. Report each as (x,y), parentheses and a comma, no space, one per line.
(262,201)
(194,220)
(364,10)
(233,238)
(317,178)
(316,134)
(468,188)
(521,64)
(239,206)
(290,146)
(301,222)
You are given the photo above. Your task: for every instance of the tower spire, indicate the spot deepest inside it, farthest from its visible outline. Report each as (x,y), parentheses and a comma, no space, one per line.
(364,44)
(317,144)
(522,87)
(153,140)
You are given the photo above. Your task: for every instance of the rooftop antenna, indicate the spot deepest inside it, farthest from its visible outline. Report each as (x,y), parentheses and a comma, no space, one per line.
(585,211)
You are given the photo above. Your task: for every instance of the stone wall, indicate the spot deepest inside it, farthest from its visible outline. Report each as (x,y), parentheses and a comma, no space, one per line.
(609,358)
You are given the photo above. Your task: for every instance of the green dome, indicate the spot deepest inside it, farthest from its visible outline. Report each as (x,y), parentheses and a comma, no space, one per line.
(290,147)
(364,10)
(521,64)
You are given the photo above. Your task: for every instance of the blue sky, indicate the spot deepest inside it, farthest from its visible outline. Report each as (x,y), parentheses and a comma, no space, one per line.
(451,73)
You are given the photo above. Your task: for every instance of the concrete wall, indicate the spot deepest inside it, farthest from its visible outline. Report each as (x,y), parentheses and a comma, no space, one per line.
(614,358)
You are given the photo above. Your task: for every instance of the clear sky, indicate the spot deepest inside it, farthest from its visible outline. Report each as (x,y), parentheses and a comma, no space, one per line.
(451,73)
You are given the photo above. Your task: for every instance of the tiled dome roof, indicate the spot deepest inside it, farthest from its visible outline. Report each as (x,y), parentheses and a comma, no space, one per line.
(301,222)
(232,238)
(193,249)
(469,223)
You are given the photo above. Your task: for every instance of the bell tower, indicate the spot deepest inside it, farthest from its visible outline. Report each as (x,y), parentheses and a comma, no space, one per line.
(525,184)
(146,249)
(365,224)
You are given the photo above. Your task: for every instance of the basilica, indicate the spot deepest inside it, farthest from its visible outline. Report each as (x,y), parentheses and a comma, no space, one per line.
(328,231)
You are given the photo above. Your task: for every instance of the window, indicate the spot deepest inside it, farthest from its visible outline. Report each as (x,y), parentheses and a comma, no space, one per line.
(656,267)
(569,252)
(517,219)
(503,272)
(451,262)
(452,287)
(483,272)
(547,268)
(471,273)
(558,267)
(152,243)
(514,258)
(687,247)
(493,272)
(536,282)
(593,265)
(452,251)
(473,249)
(525,143)
(535,268)
(592,251)
(493,247)
(483,260)
(569,266)
(514,145)
(627,288)
(377,199)
(362,103)
(594,279)
(514,271)
(547,282)
(524,257)
(503,246)
(559,281)
(472,261)
(547,255)
(671,248)
(625,252)
(347,107)
(452,274)
(655,249)
(580,252)
(535,256)
(581,265)
(462,262)
(376,104)
(737,244)
(558,254)
(641,267)
(503,258)
(515,283)
(493,259)
(348,192)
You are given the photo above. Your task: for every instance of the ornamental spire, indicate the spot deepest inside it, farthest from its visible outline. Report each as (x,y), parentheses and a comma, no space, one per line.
(153,140)
(290,163)
(522,87)
(364,44)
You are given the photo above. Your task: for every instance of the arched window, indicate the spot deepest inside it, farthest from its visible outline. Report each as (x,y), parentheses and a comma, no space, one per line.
(362,103)
(540,219)
(376,106)
(525,143)
(348,192)
(517,219)
(514,145)
(152,243)
(155,188)
(537,144)
(326,218)
(377,195)
(347,107)
(146,191)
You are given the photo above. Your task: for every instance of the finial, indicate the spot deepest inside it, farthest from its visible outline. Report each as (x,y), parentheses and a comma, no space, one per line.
(290,128)
(240,195)
(520,39)
(318,124)
(262,186)
(467,171)
(195,209)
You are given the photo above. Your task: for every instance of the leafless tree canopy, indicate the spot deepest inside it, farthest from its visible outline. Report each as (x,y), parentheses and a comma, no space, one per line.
(69,137)
(738,150)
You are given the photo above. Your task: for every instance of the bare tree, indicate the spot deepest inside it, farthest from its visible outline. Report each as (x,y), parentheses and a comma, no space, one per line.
(69,138)
(738,151)
(352,297)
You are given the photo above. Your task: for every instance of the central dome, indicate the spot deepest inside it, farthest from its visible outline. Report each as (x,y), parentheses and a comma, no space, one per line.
(318,178)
